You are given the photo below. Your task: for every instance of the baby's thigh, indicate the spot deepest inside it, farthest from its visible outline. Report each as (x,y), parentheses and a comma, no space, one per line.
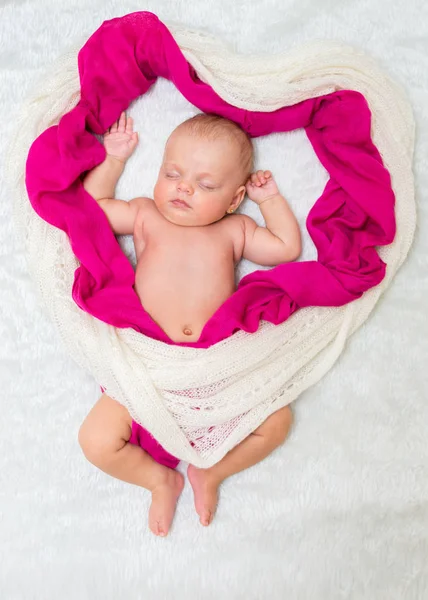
(107,426)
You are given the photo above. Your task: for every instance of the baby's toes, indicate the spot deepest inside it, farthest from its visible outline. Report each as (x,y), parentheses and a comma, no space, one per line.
(154,527)
(206,516)
(157,522)
(158,528)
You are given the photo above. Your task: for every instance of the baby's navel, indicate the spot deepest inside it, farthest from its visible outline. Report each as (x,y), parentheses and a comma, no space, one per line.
(187,331)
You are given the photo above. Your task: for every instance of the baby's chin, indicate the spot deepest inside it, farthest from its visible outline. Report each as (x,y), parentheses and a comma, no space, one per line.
(185,217)
(187,220)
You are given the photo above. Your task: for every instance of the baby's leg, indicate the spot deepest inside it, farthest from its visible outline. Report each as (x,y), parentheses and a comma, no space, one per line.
(253,449)
(104,436)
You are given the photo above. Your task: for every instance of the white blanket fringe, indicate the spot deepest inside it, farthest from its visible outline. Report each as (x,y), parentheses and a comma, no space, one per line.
(215,397)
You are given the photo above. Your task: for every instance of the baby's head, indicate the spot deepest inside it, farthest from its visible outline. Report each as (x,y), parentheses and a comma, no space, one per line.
(206,164)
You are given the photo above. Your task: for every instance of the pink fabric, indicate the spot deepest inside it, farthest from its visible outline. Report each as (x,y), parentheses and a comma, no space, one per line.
(355,213)
(143,438)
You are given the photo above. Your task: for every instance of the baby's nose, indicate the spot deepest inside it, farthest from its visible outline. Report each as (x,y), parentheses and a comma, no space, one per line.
(185,186)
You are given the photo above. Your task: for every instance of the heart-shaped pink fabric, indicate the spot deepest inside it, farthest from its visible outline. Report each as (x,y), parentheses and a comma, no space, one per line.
(355,213)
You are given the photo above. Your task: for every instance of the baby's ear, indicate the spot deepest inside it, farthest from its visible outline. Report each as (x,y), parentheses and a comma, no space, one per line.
(238,197)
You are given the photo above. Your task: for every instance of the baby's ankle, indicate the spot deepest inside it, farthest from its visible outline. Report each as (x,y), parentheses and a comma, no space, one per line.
(161,476)
(209,476)
(213,478)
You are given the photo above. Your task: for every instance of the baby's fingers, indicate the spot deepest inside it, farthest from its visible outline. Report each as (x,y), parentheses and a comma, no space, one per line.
(133,140)
(264,176)
(129,124)
(122,123)
(259,178)
(113,128)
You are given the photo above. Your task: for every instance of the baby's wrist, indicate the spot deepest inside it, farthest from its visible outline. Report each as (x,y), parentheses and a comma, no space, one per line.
(116,159)
(270,198)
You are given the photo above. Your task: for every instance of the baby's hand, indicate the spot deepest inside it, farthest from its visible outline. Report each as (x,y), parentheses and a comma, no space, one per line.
(261,186)
(120,140)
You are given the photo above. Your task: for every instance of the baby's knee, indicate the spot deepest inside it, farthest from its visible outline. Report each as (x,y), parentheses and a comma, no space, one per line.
(277,425)
(105,430)
(87,443)
(96,446)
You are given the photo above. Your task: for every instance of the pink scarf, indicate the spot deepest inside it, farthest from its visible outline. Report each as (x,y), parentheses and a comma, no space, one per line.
(355,213)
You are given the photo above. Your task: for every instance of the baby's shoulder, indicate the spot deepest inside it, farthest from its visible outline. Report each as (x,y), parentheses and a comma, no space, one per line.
(143,207)
(141,202)
(238,224)
(236,227)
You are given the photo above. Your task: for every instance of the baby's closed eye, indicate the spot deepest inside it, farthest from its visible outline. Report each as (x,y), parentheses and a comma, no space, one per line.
(202,184)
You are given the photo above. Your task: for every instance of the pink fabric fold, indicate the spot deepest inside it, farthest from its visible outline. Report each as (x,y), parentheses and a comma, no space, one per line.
(354,214)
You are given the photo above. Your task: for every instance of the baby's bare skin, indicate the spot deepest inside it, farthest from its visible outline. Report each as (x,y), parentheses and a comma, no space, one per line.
(186,251)
(180,288)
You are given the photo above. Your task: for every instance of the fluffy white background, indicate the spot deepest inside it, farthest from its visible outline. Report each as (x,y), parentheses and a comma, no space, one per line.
(341,510)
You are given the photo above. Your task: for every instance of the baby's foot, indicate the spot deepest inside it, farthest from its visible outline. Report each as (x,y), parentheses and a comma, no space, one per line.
(205,493)
(164,501)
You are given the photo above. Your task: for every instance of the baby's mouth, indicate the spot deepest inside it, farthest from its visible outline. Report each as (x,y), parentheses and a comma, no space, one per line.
(180,203)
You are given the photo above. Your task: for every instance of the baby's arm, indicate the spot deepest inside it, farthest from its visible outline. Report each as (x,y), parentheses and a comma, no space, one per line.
(101,182)
(280,240)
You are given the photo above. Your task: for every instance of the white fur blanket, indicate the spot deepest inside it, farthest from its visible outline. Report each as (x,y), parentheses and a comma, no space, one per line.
(339,511)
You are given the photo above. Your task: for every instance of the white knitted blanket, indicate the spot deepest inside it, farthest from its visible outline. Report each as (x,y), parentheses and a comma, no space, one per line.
(215,397)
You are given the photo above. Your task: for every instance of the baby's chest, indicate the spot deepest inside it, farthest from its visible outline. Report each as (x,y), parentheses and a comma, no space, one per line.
(192,258)
(211,243)
(185,255)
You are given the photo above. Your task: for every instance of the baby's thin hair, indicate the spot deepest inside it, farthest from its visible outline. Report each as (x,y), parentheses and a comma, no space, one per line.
(214,127)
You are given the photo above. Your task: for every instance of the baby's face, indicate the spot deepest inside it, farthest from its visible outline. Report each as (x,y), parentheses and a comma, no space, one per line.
(198,181)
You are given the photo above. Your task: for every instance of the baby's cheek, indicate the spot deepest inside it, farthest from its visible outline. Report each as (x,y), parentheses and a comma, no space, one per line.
(160,188)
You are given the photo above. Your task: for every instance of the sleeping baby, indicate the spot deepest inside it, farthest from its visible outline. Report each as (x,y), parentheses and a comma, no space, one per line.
(188,240)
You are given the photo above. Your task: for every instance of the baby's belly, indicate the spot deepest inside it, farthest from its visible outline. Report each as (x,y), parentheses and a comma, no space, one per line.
(181,300)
